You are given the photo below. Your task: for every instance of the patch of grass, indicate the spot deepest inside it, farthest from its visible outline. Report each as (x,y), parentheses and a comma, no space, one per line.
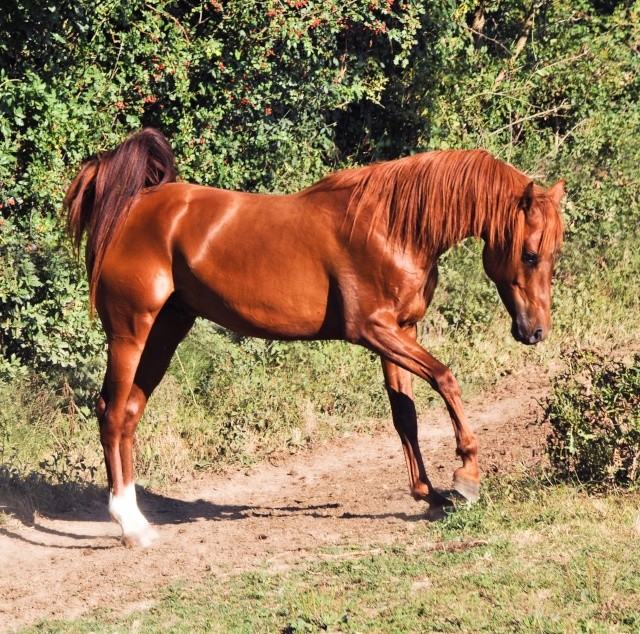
(39,424)
(527,558)
(49,452)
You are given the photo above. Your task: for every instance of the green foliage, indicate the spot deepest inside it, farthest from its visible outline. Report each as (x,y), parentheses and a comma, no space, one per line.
(44,323)
(594,414)
(270,96)
(466,299)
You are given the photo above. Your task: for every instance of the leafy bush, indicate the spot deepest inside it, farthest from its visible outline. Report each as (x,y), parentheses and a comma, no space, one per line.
(243,89)
(594,413)
(269,96)
(44,322)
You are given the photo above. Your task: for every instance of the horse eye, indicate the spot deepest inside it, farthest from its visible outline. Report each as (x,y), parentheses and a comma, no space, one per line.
(530,258)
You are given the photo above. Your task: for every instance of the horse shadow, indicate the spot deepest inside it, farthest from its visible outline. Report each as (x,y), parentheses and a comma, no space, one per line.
(29,500)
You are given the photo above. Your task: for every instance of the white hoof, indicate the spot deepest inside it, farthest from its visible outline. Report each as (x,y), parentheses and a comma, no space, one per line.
(136,530)
(142,538)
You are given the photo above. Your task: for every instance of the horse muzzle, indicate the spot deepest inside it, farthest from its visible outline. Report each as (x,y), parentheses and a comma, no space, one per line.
(527,334)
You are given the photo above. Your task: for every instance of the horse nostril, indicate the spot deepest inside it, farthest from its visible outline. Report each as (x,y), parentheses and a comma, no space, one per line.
(537,335)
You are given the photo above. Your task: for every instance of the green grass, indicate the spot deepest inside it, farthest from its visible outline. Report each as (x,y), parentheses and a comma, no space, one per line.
(527,558)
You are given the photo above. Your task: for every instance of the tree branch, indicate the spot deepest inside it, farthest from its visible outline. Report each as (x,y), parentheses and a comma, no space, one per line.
(521,42)
(536,115)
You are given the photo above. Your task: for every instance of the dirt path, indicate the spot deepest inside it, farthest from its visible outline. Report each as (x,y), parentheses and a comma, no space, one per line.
(354,489)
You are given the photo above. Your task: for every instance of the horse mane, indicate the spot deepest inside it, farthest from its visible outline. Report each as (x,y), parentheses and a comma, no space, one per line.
(432,200)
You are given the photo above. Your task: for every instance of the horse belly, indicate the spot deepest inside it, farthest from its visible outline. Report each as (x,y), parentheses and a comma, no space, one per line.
(259,295)
(257,264)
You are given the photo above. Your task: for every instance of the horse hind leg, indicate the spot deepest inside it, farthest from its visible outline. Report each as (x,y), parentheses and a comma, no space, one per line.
(123,506)
(116,417)
(119,421)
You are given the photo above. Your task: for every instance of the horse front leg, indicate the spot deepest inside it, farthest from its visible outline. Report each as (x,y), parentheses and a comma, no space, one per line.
(398,347)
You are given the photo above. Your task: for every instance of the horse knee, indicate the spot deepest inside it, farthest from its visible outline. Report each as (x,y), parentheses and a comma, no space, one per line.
(446,383)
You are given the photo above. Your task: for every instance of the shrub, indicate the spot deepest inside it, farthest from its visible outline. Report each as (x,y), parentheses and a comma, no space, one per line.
(271,95)
(242,89)
(594,413)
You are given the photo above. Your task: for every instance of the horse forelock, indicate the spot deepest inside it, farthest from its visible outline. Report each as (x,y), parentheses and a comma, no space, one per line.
(553,229)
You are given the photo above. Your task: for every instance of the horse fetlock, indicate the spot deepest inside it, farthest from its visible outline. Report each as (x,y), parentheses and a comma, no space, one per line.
(435,499)
(420,491)
(467,449)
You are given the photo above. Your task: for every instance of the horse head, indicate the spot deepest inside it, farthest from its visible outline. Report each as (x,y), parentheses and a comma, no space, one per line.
(522,270)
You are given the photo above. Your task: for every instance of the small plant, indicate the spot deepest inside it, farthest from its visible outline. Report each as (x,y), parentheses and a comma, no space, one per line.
(60,468)
(594,413)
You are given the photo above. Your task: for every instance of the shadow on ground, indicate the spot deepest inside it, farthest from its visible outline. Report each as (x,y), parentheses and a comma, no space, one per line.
(31,498)
(27,496)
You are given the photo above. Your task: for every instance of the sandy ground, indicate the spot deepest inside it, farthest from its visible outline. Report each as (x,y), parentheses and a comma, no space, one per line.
(61,564)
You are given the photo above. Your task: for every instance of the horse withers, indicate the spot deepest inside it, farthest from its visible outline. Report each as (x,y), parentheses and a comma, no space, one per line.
(353,257)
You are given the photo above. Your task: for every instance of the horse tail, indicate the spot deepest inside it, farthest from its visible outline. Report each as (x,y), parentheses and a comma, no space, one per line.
(101,195)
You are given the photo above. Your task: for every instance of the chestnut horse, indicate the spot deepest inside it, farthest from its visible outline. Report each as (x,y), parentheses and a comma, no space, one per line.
(353,257)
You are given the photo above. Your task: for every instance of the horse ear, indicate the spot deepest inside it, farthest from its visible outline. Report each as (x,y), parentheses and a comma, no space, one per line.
(556,192)
(527,197)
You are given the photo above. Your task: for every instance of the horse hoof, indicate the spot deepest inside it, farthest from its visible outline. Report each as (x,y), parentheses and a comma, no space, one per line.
(142,538)
(438,507)
(468,489)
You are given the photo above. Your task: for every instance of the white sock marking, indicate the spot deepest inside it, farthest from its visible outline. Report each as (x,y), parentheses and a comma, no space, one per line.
(124,510)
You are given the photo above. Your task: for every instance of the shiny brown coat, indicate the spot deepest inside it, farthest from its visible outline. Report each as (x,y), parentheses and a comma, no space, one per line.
(353,257)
